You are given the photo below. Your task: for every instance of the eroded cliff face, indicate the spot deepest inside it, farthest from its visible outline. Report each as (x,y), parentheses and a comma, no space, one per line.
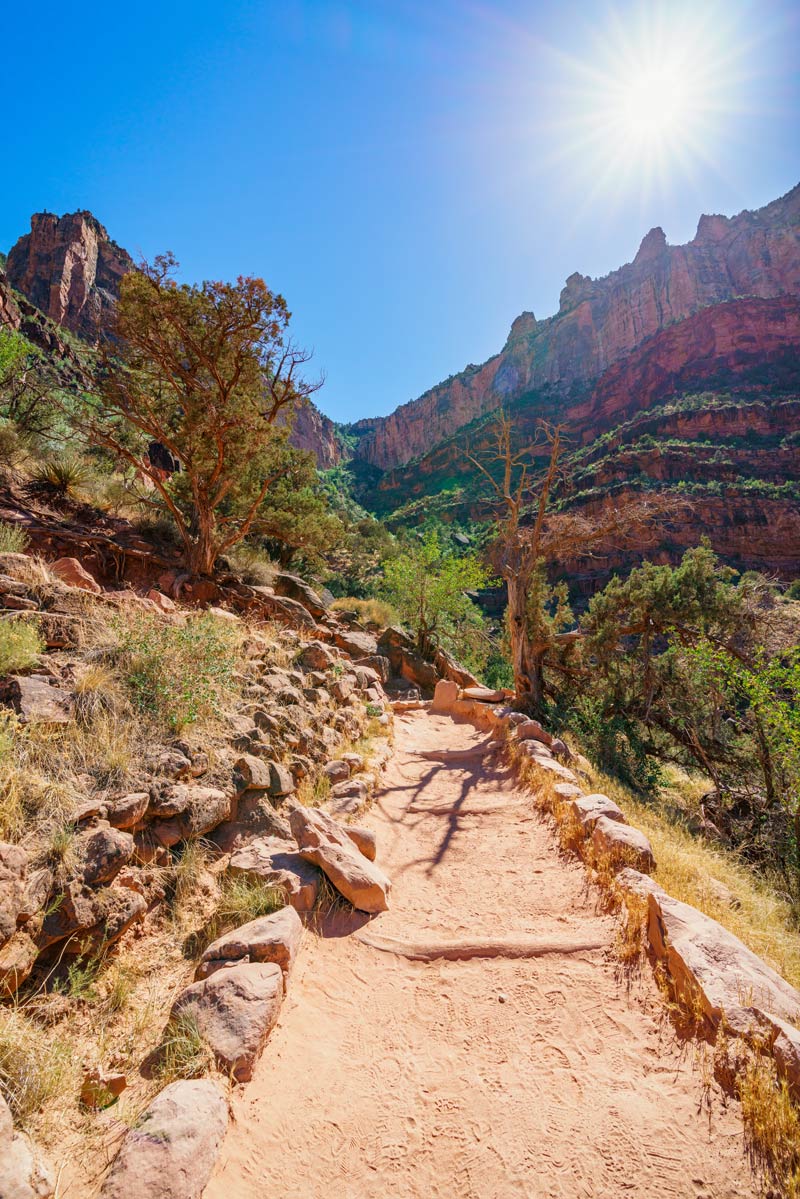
(600,321)
(70,269)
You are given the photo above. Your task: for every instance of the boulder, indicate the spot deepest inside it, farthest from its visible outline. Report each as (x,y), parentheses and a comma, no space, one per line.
(285,610)
(625,846)
(545,761)
(357,645)
(102,852)
(708,965)
(274,938)
(448,668)
(317,656)
(17,959)
(637,883)
(278,864)
(325,843)
(531,730)
(377,662)
(293,587)
(127,810)
(89,920)
(38,702)
(364,840)
(235,1010)
(161,601)
(337,771)
(251,773)
(356,788)
(444,696)
(206,807)
(71,572)
(589,809)
(38,886)
(786,1051)
(354,761)
(13,872)
(567,791)
(281,781)
(366,677)
(171,1151)
(24,1173)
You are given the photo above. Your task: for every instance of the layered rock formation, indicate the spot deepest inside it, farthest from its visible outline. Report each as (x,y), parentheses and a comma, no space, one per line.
(599,322)
(70,269)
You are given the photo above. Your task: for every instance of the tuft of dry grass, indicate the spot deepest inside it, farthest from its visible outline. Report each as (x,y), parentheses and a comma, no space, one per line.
(20,646)
(13,539)
(35,1069)
(374,612)
(772,1125)
(182,1053)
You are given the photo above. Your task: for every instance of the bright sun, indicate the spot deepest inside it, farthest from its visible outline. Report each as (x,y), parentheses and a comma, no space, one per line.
(648,99)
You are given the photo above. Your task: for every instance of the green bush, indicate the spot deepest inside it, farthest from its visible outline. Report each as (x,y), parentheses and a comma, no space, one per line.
(180,673)
(20,646)
(13,539)
(66,474)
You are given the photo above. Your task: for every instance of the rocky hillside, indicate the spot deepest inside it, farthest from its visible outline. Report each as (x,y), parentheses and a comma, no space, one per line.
(68,270)
(601,321)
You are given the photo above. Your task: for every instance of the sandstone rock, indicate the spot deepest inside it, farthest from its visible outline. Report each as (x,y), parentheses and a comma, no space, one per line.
(708,964)
(352,788)
(589,809)
(161,601)
(325,843)
(101,854)
(484,695)
(202,809)
(357,645)
(532,730)
(171,1152)
(341,689)
(367,677)
(71,572)
(317,656)
(100,1088)
(37,702)
(274,938)
(293,587)
(786,1052)
(567,791)
(251,773)
(444,696)
(634,881)
(278,864)
(546,763)
(24,1172)
(281,781)
(38,886)
(625,846)
(287,611)
(13,873)
(337,771)
(235,1011)
(377,662)
(364,840)
(448,668)
(88,920)
(17,959)
(127,810)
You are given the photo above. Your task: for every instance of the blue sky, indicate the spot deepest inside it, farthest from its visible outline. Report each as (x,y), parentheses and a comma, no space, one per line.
(410,175)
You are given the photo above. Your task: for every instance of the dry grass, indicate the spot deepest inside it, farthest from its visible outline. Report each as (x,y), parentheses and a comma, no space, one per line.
(368,611)
(772,1126)
(713,880)
(20,645)
(13,539)
(36,1069)
(182,1053)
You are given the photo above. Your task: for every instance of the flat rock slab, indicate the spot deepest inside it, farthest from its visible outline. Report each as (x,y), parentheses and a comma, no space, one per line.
(484,695)
(172,1150)
(37,702)
(356,644)
(708,963)
(274,938)
(325,843)
(364,840)
(532,730)
(278,864)
(235,1010)
(625,846)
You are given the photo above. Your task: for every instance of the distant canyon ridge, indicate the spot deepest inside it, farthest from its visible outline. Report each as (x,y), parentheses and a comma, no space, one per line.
(680,369)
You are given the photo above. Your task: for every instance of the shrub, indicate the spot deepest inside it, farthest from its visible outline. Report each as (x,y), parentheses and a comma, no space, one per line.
(20,646)
(64,473)
(13,539)
(180,673)
(252,565)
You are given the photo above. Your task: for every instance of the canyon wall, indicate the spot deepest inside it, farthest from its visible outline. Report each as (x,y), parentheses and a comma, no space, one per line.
(600,321)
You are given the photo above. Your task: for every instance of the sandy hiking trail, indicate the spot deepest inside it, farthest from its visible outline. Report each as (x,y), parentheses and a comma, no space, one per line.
(476,1040)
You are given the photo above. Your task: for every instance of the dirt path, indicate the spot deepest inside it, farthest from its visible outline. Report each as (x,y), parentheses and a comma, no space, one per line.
(406,1071)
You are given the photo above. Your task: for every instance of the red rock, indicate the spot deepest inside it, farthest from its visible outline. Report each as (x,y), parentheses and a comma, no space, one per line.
(71,572)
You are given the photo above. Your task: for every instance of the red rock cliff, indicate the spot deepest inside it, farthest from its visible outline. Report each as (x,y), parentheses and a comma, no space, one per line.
(69,268)
(754,254)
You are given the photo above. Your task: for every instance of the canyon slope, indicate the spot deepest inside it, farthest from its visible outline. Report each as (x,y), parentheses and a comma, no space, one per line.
(600,321)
